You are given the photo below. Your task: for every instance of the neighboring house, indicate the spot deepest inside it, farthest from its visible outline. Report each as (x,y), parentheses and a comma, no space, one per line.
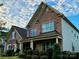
(16,35)
(3,40)
(46,28)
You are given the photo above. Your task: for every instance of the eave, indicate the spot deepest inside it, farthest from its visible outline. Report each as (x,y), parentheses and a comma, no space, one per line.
(44,36)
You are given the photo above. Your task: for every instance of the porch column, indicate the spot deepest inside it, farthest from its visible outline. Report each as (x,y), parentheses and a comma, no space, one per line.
(15,47)
(5,47)
(31,44)
(21,47)
(57,40)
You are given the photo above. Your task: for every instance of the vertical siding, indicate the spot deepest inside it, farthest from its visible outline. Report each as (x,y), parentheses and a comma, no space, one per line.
(18,37)
(69,36)
(10,36)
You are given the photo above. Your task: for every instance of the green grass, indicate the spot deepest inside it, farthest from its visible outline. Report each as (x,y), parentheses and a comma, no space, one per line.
(9,58)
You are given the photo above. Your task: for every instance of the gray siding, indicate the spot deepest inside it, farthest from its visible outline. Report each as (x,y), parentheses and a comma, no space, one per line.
(70,35)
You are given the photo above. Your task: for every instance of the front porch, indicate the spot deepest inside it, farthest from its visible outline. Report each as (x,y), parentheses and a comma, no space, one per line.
(46,44)
(43,44)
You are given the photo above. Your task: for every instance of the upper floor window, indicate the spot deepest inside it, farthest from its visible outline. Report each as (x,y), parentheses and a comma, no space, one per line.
(72,31)
(27,33)
(13,35)
(74,35)
(33,32)
(77,37)
(48,27)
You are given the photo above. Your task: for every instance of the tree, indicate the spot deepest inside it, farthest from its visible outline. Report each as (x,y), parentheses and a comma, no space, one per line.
(1,4)
(2,23)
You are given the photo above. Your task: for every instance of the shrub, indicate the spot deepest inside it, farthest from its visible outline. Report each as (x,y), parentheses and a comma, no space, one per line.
(29,52)
(35,57)
(36,52)
(77,55)
(28,57)
(56,51)
(44,57)
(42,53)
(22,56)
(17,51)
(50,53)
(10,53)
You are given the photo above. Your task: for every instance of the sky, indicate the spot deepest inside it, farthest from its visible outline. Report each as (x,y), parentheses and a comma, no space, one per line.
(19,12)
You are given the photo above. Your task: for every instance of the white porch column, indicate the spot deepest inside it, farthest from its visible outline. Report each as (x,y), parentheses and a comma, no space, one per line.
(5,47)
(31,44)
(57,40)
(21,47)
(15,47)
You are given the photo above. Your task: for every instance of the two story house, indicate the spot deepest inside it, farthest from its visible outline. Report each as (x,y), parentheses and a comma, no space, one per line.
(48,27)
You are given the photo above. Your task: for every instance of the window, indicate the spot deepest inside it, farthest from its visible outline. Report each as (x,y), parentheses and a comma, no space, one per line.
(13,35)
(48,27)
(73,48)
(27,33)
(33,32)
(77,37)
(74,35)
(72,31)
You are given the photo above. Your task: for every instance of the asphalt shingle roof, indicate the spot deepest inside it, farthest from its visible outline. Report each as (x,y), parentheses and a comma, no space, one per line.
(21,31)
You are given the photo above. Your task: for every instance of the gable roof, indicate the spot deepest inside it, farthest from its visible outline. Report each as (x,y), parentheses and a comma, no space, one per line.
(21,31)
(40,11)
(37,13)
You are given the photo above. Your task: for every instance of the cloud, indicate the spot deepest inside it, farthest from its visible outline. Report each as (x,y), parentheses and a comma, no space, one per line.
(19,12)
(67,7)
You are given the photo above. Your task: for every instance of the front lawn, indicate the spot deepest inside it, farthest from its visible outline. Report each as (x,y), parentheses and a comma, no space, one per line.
(9,58)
